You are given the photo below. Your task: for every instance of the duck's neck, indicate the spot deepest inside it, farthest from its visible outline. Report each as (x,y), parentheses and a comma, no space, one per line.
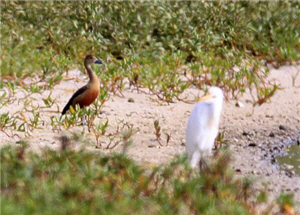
(90,72)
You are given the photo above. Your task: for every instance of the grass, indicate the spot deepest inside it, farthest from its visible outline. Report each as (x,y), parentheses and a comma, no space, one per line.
(85,182)
(150,43)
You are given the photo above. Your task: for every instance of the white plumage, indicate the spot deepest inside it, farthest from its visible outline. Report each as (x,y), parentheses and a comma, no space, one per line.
(203,125)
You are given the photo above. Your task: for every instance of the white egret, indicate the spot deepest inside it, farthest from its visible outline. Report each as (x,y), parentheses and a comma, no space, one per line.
(203,126)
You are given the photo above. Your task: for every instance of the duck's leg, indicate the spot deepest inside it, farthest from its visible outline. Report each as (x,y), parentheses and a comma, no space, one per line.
(83,120)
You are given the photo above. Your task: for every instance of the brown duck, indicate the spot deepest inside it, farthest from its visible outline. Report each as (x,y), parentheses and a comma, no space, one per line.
(87,94)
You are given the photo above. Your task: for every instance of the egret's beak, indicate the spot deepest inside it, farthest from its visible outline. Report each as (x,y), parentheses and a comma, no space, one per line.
(203,98)
(98,61)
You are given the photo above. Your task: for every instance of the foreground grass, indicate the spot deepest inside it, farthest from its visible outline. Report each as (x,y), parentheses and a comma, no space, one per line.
(82,182)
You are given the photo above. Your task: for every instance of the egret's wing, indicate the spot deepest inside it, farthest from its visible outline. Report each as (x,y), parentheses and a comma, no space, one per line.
(195,132)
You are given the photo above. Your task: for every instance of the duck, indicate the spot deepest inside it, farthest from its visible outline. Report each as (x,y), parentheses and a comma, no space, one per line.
(87,94)
(203,125)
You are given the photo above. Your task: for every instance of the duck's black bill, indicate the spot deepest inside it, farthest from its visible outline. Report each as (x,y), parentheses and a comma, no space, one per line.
(98,61)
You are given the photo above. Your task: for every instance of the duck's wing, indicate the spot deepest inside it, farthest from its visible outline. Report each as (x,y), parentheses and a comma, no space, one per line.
(75,95)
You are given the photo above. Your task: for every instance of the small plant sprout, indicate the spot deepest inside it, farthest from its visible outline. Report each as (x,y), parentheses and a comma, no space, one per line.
(5,120)
(168,139)
(3,100)
(35,89)
(57,123)
(99,130)
(73,118)
(220,140)
(49,102)
(102,127)
(123,133)
(35,121)
(157,131)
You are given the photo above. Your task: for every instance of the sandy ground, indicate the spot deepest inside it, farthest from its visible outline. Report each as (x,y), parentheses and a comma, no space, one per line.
(247,132)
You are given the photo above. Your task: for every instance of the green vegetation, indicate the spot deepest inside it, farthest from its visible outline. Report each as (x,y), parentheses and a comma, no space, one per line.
(160,48)
(153,44)
(82,182)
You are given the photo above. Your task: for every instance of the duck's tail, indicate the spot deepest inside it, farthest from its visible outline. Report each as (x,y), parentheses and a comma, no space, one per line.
(67,107)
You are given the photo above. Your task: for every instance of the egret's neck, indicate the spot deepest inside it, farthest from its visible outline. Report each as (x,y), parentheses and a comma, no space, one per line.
(216,112)
(90,72)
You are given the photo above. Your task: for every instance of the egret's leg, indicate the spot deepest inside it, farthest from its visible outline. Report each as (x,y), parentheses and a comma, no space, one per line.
(216,154)
(205,157)
(203,165)
(200,164)
(209,152)
(196,157)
